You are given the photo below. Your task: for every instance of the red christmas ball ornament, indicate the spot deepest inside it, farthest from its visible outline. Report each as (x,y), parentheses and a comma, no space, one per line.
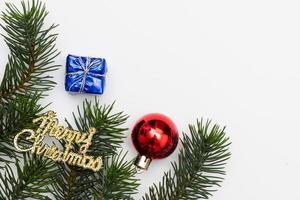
(154,136)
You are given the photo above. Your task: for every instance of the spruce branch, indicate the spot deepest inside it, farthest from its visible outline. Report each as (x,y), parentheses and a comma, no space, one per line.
(15,116)
(32,51)
(110,133)
(117,179)
(25,79)
(74,183)
(19,113)
(113,182)
(200,167)
(31,180)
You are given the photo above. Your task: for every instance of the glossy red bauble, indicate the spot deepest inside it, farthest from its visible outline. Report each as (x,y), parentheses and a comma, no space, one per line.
(155,136)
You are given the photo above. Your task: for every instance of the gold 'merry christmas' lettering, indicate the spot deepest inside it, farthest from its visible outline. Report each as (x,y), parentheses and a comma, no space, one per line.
(48,124)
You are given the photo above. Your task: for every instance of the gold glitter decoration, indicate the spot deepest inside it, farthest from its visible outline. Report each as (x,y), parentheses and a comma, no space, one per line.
(48,124)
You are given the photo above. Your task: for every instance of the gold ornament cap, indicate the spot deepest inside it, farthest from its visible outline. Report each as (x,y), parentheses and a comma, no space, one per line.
(142,163)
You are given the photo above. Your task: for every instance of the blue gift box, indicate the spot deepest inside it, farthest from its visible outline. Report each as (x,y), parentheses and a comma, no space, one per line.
(85,74)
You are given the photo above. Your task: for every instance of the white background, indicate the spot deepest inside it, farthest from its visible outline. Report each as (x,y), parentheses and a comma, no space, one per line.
(235,62)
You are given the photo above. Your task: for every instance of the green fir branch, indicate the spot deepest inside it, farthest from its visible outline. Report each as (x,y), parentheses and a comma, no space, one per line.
(26,78)
(200,167)
(15,116)
(117,179)
(31,179)
(19,113)
(73,183)
(110,133)
(32,51)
